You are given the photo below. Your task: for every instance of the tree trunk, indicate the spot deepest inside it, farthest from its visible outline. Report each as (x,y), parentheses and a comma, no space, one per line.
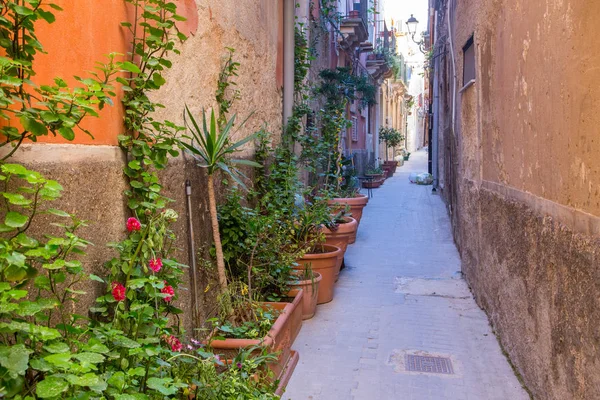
(212,203)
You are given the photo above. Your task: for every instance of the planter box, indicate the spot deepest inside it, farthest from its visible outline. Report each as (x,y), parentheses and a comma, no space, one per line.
(286,374)
(279,339)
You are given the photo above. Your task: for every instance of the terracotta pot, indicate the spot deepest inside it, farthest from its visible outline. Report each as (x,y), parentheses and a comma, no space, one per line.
(392,164)
(325,264)
(310,287)
(278,340)
(341,238)
(356,205)
(371,185)
(387,169)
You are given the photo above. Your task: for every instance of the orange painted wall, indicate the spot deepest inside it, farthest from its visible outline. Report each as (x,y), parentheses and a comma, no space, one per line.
(84,32)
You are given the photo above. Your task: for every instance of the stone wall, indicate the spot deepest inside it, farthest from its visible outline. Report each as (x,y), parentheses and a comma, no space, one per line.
(92,174)
(521,177)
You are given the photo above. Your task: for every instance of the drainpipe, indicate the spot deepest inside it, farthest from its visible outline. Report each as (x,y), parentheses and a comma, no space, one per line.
(192,255)
(288,58)
(436,113)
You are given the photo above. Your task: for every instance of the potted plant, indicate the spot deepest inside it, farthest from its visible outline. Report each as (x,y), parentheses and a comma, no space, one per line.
(339,233)
(242,322)
(406,155)
(392,138)
(321,258)
(308,282)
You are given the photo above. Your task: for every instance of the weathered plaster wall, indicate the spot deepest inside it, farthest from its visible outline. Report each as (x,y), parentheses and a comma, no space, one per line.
(522,180)
(92,175)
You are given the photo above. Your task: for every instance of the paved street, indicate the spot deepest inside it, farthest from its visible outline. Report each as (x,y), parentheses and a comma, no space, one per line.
(401,295)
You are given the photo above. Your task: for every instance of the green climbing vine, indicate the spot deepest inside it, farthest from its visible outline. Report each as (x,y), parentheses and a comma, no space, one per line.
(32,110)
(147,142)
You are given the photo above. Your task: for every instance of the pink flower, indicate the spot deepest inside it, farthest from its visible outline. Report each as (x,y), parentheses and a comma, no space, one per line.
(155,264)
(168,290)
(174,343)
(133,224)
(239,365)
(118,291)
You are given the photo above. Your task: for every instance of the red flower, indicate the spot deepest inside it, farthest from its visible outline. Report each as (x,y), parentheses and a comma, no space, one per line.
(168,289)
(155,264)
(133,224)
(118,291)
(174,343)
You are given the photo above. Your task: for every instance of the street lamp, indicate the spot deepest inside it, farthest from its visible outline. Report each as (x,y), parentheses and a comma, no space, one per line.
(412,23)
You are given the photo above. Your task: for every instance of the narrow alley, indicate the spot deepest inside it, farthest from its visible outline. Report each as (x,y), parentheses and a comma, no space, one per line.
(401,294)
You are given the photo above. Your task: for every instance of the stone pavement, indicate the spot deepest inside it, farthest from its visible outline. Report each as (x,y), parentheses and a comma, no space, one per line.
(401,294)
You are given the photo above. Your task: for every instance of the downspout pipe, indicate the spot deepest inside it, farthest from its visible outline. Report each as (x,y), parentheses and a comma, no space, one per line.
(436,121)
(192,257)
(288,58)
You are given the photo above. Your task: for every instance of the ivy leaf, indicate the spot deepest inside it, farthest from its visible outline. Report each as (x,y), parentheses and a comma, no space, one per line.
(15,359)
(16,258)
(130,67)
(96,278)
(58,213)
(59,347)
(61,360)
(91,358)
(15,219)
(158,384)
(117,380)
(16,199)
(158,79)
(47,15)
(123,341)
(52,386)
(67,132)
(90,380)
(22,10)
(96,347)
(33,126)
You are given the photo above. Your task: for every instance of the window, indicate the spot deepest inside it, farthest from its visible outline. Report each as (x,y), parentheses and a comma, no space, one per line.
(354,129)
(468,61)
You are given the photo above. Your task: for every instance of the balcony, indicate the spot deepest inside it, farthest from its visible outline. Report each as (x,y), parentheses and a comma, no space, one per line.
(354,26)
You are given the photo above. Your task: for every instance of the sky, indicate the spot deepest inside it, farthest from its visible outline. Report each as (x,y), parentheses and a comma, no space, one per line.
(400,10)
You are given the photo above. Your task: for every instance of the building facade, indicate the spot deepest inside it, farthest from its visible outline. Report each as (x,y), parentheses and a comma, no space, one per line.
(515,156)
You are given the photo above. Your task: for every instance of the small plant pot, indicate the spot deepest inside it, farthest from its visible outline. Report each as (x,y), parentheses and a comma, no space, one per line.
(371,184)
(357,204)
(354,14)
(310,287)
(340,238)
(325,264)
(392,164)
(406,158)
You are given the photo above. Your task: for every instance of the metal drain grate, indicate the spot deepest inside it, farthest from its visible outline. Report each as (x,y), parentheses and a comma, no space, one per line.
(432,365)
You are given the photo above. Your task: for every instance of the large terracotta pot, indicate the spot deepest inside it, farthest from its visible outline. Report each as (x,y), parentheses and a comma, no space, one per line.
(393,164)
(340,238)
(386,170)
(325,264)
(279,339)
(356,208)
(356,205)
(310,287)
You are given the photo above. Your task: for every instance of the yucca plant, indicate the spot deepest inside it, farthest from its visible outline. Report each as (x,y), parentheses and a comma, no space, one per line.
(212,148)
